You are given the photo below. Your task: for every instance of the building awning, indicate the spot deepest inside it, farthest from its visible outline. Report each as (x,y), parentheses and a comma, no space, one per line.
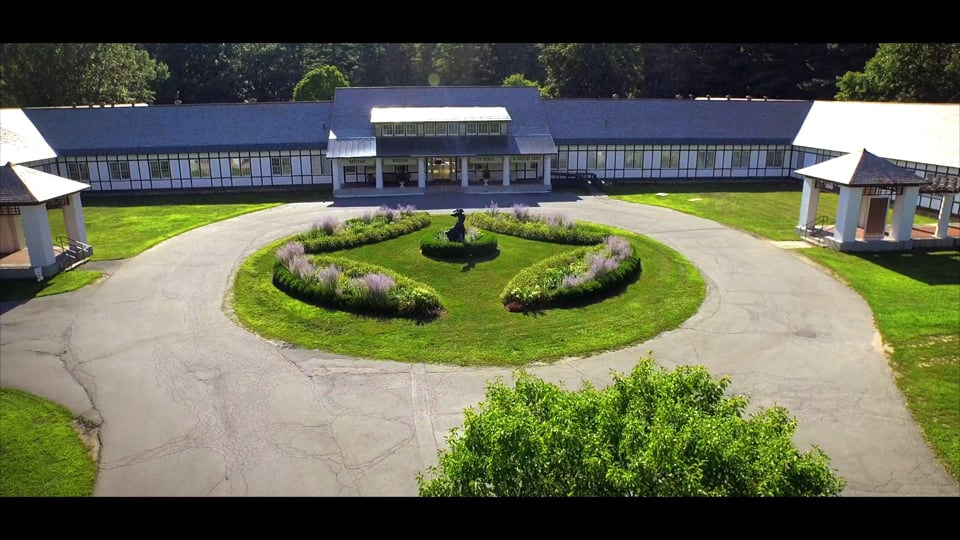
(942,183)
(21,185)
(859,169)
(360,147)
(380,115)
(504,145)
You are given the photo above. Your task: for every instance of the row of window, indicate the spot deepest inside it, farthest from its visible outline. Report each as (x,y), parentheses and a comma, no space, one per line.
(439,129)
(670,159)
(160,169)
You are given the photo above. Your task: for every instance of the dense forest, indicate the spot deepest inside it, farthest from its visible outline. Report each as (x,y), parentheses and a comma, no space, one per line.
(54,74)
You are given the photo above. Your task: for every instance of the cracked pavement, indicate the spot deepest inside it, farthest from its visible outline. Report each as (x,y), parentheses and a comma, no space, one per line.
(191,404)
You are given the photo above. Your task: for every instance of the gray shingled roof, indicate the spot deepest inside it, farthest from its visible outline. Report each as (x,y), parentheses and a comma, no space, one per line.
(942,184)
(23,185)
(862,168)
(184,128)
(352,106)
(674,121)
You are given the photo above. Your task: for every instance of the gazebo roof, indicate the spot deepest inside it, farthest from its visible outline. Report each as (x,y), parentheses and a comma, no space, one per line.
(942,183)
(23,185)
(860,169)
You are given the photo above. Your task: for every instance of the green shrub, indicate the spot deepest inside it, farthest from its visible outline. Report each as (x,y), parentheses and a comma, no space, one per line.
(382,224)
(537,229)
(358,287)
(650,434)
(571,278)
(478,244)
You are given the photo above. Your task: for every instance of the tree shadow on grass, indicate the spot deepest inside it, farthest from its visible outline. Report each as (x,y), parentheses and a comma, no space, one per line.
(932,267)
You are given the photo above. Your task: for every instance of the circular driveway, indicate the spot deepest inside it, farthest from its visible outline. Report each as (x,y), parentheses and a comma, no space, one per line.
(191,404)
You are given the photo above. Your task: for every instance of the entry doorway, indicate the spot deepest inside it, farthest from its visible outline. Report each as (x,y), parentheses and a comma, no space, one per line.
(442,170)
(876,218)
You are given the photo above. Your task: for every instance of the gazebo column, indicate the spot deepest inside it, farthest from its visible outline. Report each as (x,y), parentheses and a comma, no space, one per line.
(848,212)
(464,172)
(809,200)
(73,219)
(11,234)
(379,164)
(943,221)
(546,170)
(337,173)
(506,170)
(36,228)
(904,210)
(422,172)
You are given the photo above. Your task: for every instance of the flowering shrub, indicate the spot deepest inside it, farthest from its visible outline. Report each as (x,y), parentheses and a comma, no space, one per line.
(352,286)
(519,221)
(383,223)
(572,277)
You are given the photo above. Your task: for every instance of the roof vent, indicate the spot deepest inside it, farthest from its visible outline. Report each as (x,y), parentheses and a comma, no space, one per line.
(728,97)
(749,97)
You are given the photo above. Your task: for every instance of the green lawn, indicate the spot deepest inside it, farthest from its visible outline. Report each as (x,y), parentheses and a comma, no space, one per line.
(914,296)
(769,209)
(119,227)
(477,329)
(40,453)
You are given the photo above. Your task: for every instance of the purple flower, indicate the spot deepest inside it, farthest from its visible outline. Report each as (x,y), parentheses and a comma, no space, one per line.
(288,251)
(329,276)
(328,225)
(521,211)
(301,267)
(619,248)
(378,283)
(493,209)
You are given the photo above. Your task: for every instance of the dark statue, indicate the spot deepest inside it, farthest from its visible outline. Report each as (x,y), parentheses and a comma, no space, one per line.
(459,232)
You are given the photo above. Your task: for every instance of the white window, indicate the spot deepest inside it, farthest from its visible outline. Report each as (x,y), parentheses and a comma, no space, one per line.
(774,158)
(200,168)
(280,166)
(319,165)
(633,159)
(411,130)
(47,168)
(119,170)
(740,159)
(484,128)
(471,128)
(429,128)
(78,171)
(388,130)
(706,159)
(441,128)
(670,159)
(160,168)
(495,128)
(240,167)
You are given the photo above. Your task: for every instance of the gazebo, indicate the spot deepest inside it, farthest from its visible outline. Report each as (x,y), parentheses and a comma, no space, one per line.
(27,247)
(866,183)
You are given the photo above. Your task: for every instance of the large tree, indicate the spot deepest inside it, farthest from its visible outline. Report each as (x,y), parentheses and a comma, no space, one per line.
(200,72)
(56,74)
(909,72)
(319,84)
(458,64)
(593,70)
(651,433)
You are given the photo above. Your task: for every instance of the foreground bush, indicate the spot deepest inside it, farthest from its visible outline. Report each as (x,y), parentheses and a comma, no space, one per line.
(384,223)
(576,276)
(650,434)
(352,286)
(478,244)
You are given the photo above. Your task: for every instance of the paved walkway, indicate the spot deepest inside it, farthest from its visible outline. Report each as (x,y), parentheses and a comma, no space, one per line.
(191,404)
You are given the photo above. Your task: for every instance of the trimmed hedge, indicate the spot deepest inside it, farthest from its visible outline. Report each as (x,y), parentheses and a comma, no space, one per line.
(438,246)
(505,223)
(366,235)
(539,286)
(407,298)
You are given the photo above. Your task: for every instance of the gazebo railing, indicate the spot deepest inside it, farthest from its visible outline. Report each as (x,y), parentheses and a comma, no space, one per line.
(73,252)
(816,229)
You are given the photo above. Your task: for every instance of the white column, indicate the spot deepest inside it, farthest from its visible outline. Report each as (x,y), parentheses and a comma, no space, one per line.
(464,173)
(848,211)
(73,219)
(422,172)
(546,170)
(36,228)
(943,221)
(809,200)
(379,162)
(904,210)
(337,173)
(506,170)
